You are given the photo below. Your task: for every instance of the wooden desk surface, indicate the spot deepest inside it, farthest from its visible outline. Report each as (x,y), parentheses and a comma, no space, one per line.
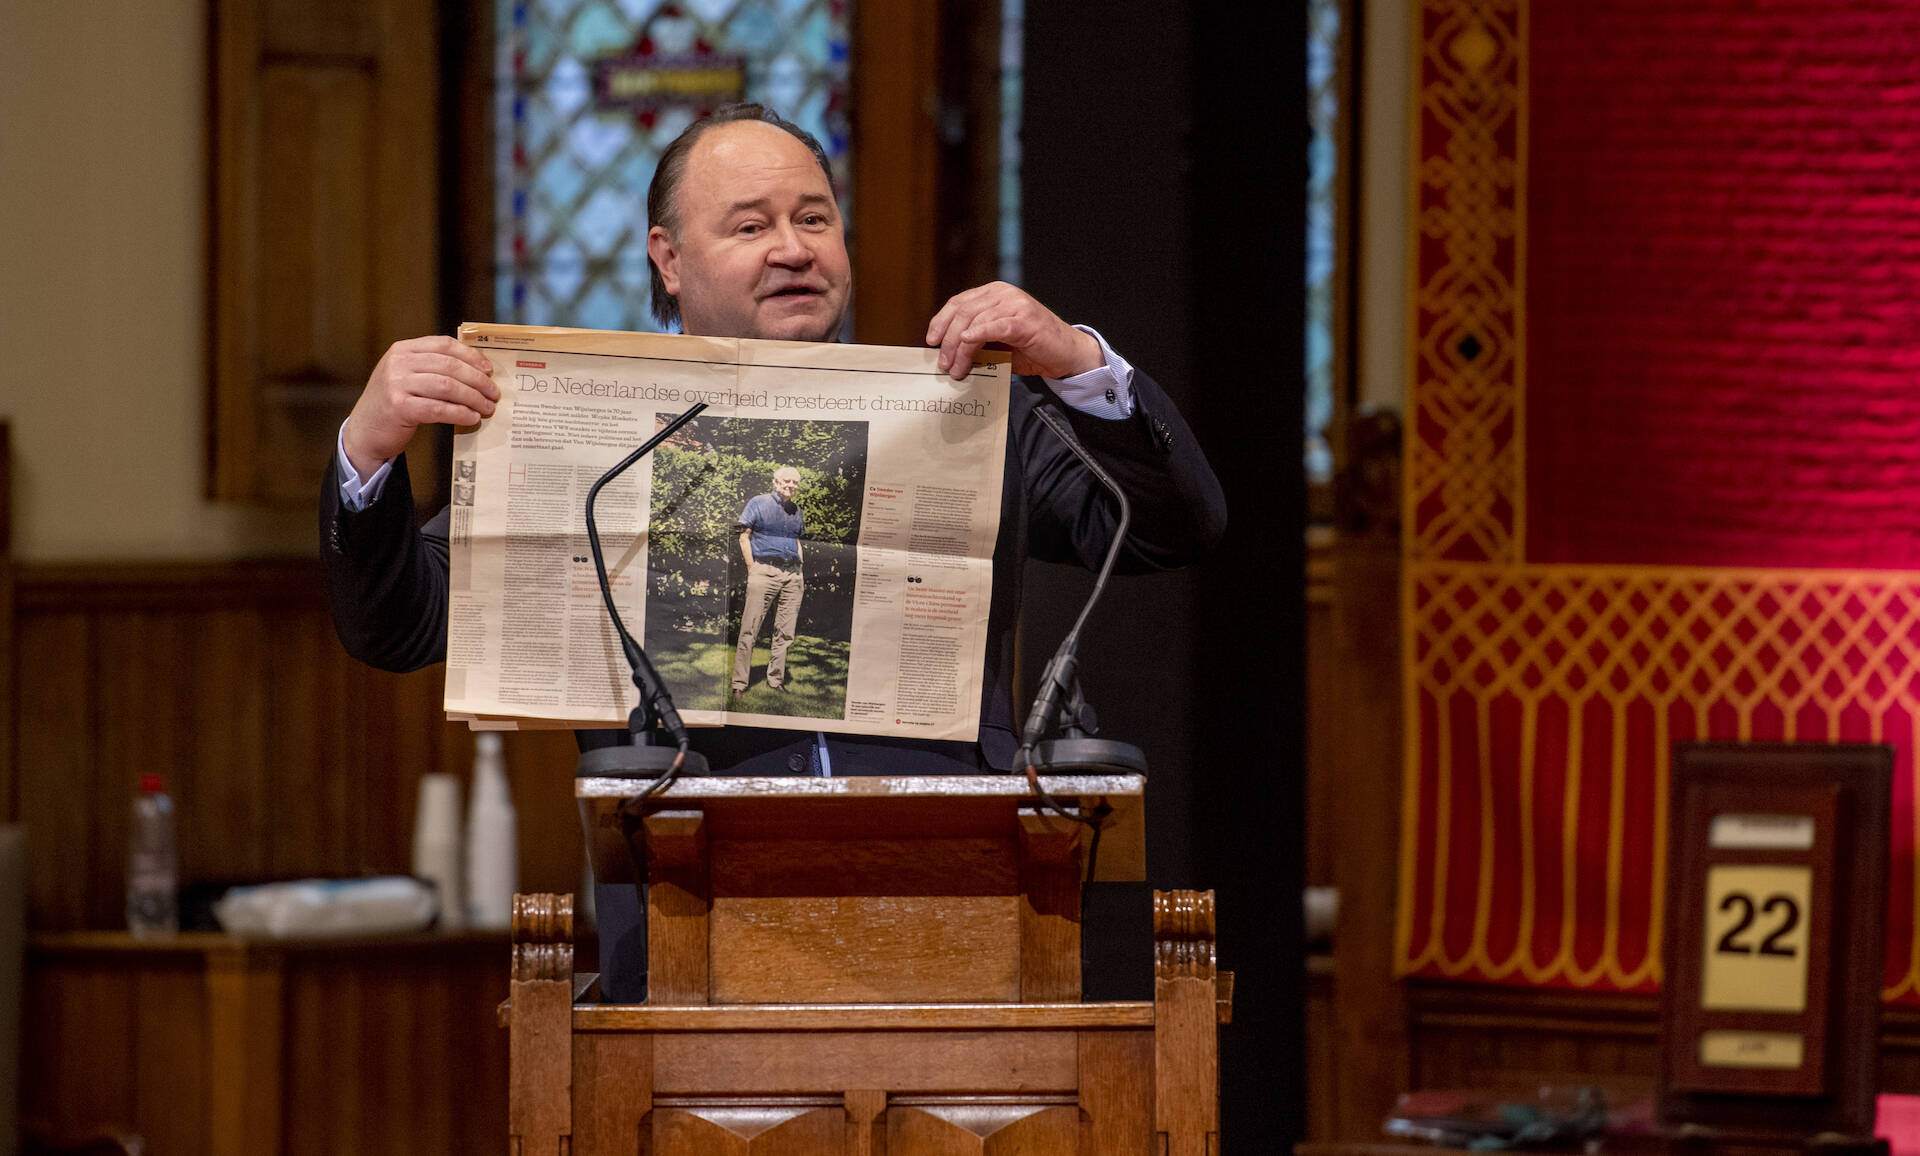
(51,945)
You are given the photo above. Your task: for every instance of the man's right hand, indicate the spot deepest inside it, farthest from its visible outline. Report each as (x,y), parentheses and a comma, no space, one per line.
(424,380)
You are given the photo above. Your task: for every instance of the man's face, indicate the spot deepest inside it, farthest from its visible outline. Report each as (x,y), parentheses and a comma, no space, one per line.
(760,250)
(786,485)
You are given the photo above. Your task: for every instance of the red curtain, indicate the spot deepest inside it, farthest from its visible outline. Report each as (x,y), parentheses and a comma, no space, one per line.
(1664,464)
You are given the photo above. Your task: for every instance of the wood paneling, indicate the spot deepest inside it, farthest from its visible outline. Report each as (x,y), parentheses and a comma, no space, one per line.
(896,170)
(1329,727)
(58,796)
(325,227)
(1369,1014)
(1515,1038)
(1464,1036)
(285,757)
(612,1090)
(1323,1106)
(990,1129)
(211,1045)
(7,706)
(745,1063)
(749,1130)
(861,947)
(1118,1116)
(1358,1047)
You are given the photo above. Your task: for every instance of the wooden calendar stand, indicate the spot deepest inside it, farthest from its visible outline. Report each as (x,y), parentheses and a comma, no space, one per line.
(864,966)
(1776,900)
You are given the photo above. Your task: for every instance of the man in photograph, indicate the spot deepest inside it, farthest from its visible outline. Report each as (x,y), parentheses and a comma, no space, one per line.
(771,527)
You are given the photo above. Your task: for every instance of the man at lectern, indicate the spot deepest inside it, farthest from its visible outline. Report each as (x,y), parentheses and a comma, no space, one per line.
(746,241)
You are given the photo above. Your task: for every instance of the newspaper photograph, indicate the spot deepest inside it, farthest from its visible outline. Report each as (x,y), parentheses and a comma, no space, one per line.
(812,551)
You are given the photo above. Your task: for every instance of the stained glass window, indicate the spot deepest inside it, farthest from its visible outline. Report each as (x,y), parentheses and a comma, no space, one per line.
(1013,32)
(588,94)
(1323,160)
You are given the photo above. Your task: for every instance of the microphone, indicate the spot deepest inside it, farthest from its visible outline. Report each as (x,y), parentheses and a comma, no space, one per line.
(643,759)
(1060,678)
(1076,750)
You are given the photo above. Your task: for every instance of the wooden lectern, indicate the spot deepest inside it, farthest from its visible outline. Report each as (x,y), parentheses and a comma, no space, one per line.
(864,966)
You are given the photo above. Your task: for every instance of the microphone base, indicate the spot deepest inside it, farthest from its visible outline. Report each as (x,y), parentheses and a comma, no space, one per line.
(1088,757)
(636,762)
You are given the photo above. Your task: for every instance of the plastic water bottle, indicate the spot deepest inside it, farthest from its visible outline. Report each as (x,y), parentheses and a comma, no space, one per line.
(153,864)
(493,851)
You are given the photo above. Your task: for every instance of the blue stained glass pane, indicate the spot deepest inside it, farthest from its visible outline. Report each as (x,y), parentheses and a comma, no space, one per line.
(602,308)
(596,141)
(1323,158)
(671,124)
(711,11)
(596,30)
(539,40)
(634,171)
(568,88)
(538,127)
(755,28)
(816,34)
(563,271)
(558,185)
(1323,50)
(1013,17)
(785,83)
(606,221)
(673,34)
(536,310)
(632,271)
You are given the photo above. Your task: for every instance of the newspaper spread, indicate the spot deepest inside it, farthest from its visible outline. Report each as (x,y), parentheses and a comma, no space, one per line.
(813,551)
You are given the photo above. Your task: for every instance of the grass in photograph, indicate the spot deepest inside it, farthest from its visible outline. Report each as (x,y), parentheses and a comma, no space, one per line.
(698,670)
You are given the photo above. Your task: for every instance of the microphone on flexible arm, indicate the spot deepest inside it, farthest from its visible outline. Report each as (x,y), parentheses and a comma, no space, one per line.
(655,711)
(1076,750)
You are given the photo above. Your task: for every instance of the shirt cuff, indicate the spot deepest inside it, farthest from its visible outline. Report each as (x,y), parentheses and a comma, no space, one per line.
(355,494)
(1104,392)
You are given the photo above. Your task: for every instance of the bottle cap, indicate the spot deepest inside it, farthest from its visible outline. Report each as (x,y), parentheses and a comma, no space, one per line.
(150,784)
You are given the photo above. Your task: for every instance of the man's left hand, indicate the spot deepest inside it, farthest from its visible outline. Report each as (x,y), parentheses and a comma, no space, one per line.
(1042,343)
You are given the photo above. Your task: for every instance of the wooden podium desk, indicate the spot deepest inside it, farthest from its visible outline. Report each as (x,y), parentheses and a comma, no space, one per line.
(864,966)
(218,1044)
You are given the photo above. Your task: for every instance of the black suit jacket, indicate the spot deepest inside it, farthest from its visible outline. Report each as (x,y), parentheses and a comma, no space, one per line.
(388,582)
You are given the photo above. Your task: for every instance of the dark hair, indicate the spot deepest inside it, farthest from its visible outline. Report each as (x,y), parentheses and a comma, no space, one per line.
(662,208)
